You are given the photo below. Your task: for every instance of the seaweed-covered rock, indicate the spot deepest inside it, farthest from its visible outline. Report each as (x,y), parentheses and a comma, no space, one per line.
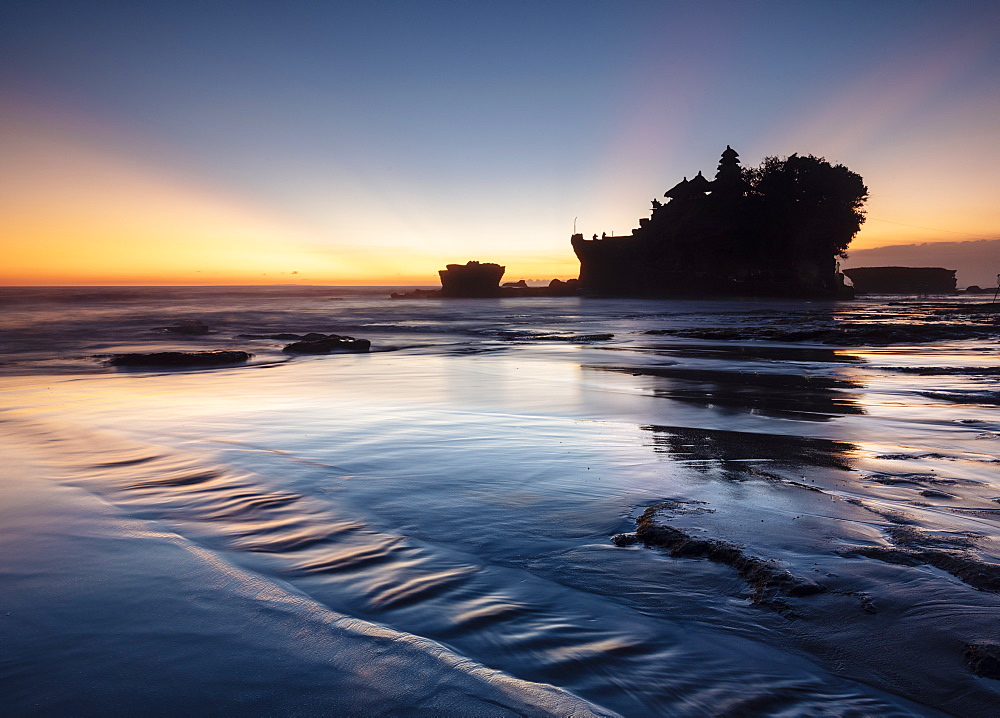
(180,359)
(320,344)
(984,659)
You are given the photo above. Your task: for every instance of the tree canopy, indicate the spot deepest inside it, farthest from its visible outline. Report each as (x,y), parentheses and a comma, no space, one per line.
(817,206)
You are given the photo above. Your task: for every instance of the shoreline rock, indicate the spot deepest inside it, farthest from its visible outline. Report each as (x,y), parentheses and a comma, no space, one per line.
(325,344)
(180,359)
(767,580)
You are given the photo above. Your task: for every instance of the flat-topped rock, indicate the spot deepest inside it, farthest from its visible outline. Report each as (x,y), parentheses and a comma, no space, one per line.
(471,280)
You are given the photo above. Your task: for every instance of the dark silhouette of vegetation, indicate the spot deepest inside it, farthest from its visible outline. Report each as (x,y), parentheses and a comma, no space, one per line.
(772,230)
(812,208)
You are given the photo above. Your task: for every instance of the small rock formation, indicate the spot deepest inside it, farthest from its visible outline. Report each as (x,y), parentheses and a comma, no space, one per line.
(326,343)
(180,359)
(417,294)
(984,659)
(902,280)
(471,280)
(768,581)
(559,288)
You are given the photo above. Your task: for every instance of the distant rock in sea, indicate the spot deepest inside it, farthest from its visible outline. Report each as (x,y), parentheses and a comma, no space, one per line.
(902,280)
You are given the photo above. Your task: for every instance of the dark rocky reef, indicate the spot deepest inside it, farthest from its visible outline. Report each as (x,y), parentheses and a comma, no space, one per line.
(555,288)
(902,280)
(976,573)
(984,659)
(180,359)
(914,547)
(767,580)
(315,343)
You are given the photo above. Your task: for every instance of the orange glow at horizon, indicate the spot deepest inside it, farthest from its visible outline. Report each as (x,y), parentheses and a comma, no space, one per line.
(80,215)
(73,212)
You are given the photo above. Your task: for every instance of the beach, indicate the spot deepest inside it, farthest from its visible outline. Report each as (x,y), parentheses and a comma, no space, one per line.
(538,506)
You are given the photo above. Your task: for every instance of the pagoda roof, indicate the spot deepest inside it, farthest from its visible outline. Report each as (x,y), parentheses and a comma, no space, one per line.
(730,152)
(699,184)
(680,189)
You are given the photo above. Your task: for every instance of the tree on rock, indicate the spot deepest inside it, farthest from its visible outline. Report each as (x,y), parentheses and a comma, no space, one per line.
(811,209)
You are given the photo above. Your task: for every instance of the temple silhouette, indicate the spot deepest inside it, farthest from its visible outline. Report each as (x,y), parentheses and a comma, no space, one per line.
(772,231)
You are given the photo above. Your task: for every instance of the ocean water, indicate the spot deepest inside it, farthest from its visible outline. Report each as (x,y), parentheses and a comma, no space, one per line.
(427,529)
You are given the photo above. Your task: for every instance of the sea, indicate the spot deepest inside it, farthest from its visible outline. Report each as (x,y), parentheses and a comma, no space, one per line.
(508,507)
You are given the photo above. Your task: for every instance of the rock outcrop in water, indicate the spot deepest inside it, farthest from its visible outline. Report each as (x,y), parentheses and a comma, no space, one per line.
(984,659)
(771,231)
(327,343)
(768,581)
(471,280)
(902,280)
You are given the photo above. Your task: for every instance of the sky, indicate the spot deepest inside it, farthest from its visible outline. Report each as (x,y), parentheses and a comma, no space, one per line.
(224,142)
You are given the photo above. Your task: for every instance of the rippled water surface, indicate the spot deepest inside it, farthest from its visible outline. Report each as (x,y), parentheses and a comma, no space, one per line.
(446,525)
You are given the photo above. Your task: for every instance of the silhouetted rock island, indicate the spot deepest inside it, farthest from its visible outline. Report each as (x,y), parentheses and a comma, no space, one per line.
(902,280)
(471,280)
(774,230)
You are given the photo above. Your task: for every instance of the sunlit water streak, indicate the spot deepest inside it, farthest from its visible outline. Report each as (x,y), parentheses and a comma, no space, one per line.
(445,507)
